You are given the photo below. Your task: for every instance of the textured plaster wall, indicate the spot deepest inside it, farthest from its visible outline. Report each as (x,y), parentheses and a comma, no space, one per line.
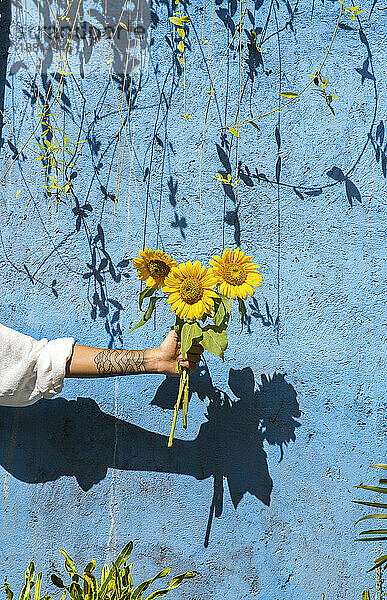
(287,455)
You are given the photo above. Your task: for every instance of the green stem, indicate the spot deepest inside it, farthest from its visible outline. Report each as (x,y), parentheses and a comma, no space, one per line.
(183,389)
(185,397)
(177,406)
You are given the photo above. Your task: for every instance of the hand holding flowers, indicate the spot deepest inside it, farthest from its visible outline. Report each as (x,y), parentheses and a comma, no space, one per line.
(200,297)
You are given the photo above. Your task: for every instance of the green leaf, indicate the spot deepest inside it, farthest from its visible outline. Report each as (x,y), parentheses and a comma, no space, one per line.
(117,580)
(124,555)
(29,582)
(222,311)
(69,563)
(138,591)
(8,591)
(38,586)
(379,466)
(186,19)
(289,94)
(105,573)
(148,313)
(234,131)
(374,504)
(30,573)
(377,516)
(90,566)
(176,21)
(127,579)
(189,332)
(242,311)
(374,532)
(214,340)
(75,591)
(372,488)
(379,562)
(365,595)
(90,582)
(57,581)
(146,292)
(178,325)
(121,559)
(176,581)
(254,125)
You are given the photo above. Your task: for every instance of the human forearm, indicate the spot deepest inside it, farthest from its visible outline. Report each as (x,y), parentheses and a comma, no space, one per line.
(97,362)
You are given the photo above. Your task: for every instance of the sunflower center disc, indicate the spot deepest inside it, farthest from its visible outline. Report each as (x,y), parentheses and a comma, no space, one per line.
(234,274)
(191,290)
(158,268)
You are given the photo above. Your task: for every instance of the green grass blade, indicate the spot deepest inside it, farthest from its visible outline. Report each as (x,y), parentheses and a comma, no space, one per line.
(379,562)
(176,581)
(377,516)
(373,488)
(121,559)
(140,589)
(38,586)
(374,504)
(374,532)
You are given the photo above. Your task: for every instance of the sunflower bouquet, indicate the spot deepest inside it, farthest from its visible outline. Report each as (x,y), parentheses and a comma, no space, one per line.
(200,297)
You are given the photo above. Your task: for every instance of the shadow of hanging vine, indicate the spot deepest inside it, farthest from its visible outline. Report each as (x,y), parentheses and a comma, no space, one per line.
(377,143)
(338,175)
(5,20)
(231,217)
(55,438)
(84,27)
(351,190)
(100,268)
(266,317)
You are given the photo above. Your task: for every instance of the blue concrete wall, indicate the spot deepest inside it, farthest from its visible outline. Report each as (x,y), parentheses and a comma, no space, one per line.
(255,495)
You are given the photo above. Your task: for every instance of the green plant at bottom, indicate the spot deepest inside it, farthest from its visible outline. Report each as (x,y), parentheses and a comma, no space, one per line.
(29,583)
(116,583)
(380,534)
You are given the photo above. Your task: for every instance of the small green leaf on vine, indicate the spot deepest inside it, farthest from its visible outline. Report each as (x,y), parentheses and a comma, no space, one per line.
(253,124)
(289,94)
(234,130)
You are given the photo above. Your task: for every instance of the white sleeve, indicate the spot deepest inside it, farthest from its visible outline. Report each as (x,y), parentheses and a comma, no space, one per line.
(29,369)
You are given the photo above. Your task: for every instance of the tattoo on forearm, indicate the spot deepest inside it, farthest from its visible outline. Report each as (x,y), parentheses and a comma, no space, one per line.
(120,362)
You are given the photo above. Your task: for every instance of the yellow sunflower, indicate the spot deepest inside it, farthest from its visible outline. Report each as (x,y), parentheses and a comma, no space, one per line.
(153,266)
(190,288)
(236,273)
